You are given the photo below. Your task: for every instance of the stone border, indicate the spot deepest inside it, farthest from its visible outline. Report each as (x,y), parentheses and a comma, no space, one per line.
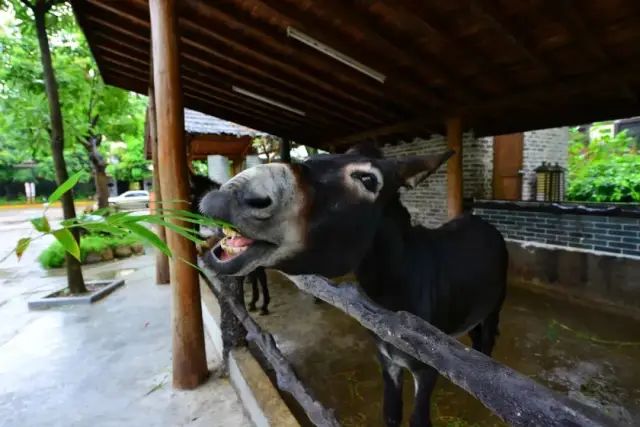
(49,301)
(260,399)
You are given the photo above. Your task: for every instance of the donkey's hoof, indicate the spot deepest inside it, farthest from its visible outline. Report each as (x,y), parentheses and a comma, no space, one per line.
(264,311)
(252,307)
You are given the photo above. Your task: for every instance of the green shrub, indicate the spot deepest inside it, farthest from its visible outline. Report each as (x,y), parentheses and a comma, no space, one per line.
(53,256)
(605,169)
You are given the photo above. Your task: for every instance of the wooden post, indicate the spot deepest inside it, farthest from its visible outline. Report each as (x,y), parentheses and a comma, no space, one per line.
(162,260)
(285,150)
(454,168)
(189,360)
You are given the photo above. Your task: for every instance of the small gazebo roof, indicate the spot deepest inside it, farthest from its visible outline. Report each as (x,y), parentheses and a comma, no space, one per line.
(196,122)
(331,72)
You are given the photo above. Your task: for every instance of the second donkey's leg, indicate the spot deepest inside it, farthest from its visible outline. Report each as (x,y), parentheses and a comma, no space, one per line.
(254,291)
(262,278)
(392,376)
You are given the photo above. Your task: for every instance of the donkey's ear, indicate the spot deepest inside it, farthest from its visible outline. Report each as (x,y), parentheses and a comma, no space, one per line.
(413,170)
(367,148)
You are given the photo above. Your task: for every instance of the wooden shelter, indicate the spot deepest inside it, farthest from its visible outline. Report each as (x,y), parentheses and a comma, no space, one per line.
(207,135)
(332,73)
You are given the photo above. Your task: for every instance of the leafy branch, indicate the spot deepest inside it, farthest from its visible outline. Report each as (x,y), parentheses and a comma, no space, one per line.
(116,224)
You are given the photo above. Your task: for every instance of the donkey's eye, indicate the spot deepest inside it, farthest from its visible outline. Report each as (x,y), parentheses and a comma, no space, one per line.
(369,180)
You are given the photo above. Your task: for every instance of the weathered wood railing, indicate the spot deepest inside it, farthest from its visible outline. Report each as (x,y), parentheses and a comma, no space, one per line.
(513,397)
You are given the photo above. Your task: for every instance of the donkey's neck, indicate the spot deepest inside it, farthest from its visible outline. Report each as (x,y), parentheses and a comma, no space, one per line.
(386,267)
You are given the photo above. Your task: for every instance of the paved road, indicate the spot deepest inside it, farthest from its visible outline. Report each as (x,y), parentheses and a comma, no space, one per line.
(108,364)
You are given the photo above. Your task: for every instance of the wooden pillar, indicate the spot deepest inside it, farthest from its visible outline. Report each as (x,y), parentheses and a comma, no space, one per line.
(454,168)
(285,150)
(162,260)
(189,360)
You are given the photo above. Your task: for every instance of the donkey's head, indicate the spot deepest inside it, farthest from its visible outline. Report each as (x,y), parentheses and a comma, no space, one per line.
(319,216)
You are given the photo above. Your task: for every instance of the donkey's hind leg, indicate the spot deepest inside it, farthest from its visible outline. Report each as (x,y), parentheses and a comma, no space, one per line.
(483,336)
(424,377)
(262,278)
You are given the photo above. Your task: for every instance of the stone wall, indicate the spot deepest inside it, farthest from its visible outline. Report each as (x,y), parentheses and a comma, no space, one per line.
(547,145)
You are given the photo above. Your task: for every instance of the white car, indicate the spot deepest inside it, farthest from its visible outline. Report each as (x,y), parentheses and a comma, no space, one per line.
(135,199)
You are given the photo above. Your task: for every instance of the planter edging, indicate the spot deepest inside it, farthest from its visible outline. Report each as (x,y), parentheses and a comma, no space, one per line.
(47,301)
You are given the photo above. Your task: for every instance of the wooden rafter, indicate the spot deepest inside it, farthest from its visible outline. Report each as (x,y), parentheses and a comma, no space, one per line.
(492,16)
(438,57)
(280,16)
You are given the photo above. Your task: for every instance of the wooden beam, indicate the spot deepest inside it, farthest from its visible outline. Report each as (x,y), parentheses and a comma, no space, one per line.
(226,51)
(423,29)
(136,83)
(189,359)
(399,65)
(324,108)
(271,33)
(493,17)
(202,146)
(530,98)
(582,31)
(454,168)
(162,260)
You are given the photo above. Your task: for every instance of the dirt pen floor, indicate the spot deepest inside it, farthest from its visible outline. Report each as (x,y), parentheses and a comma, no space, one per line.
(591,356)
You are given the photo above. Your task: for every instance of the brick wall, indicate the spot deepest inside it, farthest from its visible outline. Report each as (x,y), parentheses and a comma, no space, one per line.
(547,145)
(609,234)
(427,203)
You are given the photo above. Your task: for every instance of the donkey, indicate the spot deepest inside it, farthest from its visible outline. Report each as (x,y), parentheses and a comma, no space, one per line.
(334,214)
(201,185)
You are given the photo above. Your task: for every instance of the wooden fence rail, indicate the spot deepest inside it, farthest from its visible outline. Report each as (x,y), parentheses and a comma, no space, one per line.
(515,398)
(286,378)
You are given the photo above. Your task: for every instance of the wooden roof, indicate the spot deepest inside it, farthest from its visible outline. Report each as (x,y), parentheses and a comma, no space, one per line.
(501,65)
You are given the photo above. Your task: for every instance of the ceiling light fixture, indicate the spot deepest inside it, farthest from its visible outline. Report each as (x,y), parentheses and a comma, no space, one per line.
(347,60)
(266,100)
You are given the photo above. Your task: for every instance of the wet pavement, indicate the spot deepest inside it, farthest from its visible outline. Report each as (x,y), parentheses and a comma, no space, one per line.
(107,364)
(552,341)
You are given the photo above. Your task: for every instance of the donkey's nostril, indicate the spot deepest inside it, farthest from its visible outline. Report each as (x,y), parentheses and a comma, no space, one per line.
(257,202)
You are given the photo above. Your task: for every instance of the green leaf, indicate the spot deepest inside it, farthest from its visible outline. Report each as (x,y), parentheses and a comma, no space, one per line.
(68,242)
(22,246)
(64,187)
(41,224)
(188,233)
(148,235)
(197,267)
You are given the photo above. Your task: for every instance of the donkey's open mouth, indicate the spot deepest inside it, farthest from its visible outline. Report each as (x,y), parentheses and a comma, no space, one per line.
(238,254)
(232,244)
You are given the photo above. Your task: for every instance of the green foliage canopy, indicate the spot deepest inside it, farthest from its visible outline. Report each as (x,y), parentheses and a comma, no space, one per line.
(88,105)
(603,169)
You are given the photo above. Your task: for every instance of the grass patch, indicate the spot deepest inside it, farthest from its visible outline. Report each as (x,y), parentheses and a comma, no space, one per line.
(53,256)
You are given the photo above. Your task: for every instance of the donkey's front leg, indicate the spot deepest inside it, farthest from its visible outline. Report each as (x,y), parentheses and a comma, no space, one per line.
(392,376)
(424,377)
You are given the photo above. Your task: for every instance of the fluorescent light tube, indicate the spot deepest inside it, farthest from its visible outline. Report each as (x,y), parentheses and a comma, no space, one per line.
(318,45)
(267,100)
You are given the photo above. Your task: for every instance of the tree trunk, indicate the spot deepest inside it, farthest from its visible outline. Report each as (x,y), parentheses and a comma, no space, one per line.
(99,167)
(75,281)
(102,187)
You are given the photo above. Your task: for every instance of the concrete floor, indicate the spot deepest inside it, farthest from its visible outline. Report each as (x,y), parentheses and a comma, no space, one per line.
(102,365)
(335,356)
